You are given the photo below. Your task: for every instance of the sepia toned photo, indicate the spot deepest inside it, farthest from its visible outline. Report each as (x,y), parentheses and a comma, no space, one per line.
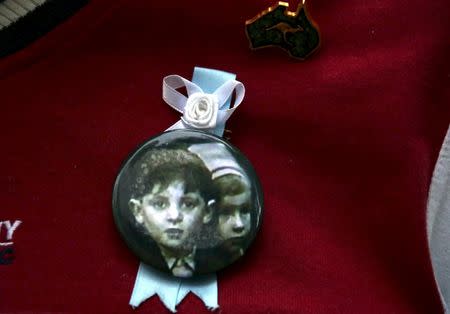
(187,203)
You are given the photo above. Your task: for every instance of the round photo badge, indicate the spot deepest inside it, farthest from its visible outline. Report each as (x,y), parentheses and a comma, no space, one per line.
(187,202)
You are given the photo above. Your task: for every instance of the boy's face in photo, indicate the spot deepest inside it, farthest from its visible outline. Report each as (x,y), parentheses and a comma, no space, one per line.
(234,217)
(171,215)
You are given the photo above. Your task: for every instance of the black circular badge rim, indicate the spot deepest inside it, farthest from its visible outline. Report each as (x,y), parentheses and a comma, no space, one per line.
(135,249)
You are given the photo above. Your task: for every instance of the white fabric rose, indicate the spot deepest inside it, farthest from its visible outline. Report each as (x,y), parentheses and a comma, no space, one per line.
(201,110)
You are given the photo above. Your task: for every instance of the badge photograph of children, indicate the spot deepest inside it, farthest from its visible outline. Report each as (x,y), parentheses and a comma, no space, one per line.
(195,208)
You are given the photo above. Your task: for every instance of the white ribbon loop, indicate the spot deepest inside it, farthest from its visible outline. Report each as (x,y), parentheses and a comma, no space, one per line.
(201,110)
(226,90)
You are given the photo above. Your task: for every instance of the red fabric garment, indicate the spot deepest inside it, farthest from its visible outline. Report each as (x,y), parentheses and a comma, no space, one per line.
(344,144)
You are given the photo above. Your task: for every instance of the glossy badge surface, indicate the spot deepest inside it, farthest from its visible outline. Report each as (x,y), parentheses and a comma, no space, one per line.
(187,202)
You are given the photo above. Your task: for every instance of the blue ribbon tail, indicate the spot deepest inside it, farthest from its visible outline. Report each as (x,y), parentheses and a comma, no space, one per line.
(172,290)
